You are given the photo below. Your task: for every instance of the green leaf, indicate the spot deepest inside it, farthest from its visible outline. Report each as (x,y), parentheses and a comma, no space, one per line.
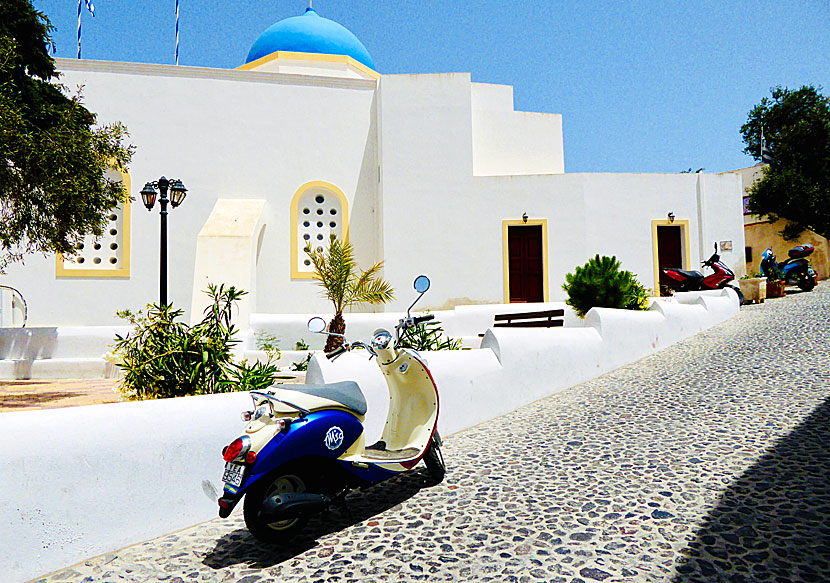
(335,270)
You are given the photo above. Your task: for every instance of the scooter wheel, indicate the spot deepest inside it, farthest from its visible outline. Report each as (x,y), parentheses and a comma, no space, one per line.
(806,283)
(740,294)
(435,462)
(275,532)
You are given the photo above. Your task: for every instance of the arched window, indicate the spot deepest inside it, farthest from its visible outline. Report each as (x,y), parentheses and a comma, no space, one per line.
(109,254)
(318,210)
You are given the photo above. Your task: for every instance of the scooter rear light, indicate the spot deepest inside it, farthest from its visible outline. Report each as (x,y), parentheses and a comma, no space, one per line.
(250,457)
(237,448)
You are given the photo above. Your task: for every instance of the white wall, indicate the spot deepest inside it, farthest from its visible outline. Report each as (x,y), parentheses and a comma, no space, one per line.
(507,142)
(88,480)
(405,155)
(517,366)
(641,198)
(426,186)
(92,479)
(721,198)
(465,322)
(226,134)
(587,214)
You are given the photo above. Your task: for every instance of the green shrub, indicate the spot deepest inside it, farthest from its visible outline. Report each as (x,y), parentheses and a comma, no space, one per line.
(267,343)
(429,336)
(301,365)
(601,283)
(162,357)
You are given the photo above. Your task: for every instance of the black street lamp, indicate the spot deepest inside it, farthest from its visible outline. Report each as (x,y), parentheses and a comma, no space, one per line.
(148,195)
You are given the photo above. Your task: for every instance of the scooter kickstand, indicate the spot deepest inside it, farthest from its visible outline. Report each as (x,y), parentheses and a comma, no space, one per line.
(340,500)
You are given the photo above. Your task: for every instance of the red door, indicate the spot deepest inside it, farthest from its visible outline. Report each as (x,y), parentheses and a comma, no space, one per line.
(668,251)
(526,273)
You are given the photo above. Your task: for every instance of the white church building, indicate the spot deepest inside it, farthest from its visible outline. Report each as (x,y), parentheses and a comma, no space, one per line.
(431,173)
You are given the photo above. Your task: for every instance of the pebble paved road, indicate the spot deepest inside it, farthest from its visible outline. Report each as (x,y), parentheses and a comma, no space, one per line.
(709,461)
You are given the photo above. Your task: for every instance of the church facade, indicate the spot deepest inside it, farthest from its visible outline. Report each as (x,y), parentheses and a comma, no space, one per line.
(430,173)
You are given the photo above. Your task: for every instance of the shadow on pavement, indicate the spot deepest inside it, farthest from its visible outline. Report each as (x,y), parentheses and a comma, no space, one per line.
(773,523)
(241,547)
(18,400)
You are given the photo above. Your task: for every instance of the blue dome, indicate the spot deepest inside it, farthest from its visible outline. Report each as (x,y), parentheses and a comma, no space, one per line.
(310,33)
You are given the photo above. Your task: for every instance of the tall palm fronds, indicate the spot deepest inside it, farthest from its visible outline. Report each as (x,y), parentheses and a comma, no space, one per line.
(335,270)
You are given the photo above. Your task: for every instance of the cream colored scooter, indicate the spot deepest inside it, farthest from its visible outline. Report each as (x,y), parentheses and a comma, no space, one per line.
(304,445)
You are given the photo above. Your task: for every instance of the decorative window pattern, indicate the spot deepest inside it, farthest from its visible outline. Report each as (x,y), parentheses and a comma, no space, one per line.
(318,210)
(107,255)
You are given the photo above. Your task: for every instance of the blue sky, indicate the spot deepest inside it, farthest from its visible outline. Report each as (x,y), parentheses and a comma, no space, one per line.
(643,86)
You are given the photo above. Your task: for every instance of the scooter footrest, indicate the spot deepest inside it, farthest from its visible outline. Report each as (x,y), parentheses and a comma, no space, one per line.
(392,455)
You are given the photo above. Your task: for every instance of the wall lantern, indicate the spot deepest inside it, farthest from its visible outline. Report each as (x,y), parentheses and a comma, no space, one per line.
(148,197)
(524,218)
(671,217)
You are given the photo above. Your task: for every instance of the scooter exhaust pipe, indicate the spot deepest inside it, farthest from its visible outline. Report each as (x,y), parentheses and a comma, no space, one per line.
(290,505)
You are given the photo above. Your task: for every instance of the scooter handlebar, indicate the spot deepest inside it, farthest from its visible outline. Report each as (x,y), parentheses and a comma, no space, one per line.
(336,352)
(418,319)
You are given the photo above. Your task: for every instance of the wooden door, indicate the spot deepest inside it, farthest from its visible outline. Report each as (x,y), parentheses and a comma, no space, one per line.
(669,251)
(526,272)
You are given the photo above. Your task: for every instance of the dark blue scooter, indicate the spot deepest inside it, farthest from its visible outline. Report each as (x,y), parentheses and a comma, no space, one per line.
(795,271)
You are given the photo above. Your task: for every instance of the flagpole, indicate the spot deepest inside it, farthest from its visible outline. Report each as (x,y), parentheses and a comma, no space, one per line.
(177,33)
(762,142)
(79,29)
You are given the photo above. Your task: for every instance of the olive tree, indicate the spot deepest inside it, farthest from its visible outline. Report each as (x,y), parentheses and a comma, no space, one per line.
(53,158)
(796,183)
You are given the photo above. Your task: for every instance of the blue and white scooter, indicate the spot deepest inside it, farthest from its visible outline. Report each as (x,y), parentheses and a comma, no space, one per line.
(304,445)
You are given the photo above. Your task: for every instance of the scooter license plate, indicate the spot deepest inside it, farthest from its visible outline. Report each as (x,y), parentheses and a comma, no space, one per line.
(233,474)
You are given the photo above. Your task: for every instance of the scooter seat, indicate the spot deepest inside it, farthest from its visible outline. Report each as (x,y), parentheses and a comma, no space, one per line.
(690,274)
(347,393)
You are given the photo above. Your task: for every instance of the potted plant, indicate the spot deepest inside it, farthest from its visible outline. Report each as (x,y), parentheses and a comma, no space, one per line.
(775,282)
(754,288)
(775,288)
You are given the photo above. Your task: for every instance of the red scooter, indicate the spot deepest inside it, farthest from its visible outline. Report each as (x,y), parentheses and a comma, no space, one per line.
(682,280)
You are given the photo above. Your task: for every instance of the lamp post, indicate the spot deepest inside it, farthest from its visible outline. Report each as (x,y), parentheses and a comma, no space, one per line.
(148,196)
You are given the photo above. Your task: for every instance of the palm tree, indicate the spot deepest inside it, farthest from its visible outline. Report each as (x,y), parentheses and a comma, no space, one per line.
(335,270)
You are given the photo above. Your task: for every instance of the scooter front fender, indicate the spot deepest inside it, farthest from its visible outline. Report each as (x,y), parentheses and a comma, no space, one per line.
(322,434)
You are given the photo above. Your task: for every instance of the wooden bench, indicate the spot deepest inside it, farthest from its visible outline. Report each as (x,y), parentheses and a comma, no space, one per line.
(543,319)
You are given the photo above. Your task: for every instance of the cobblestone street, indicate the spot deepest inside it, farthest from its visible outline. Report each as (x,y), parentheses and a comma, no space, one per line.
(708,461)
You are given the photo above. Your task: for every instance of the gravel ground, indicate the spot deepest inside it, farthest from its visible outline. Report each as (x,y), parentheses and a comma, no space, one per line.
(708,461)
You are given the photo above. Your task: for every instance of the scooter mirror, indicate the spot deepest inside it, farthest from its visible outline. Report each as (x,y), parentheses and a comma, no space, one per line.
(421,284)
(317,325)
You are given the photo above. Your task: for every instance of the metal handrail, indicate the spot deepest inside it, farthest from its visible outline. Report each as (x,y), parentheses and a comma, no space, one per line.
(25,305)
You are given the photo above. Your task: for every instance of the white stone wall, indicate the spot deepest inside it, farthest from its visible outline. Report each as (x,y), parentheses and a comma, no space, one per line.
(88,480)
